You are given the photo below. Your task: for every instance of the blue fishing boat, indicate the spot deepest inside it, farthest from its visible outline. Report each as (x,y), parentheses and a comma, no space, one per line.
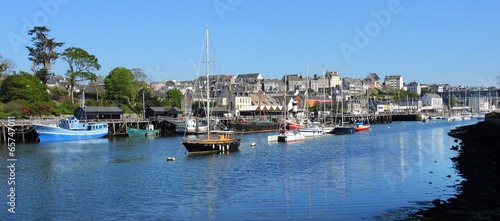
(71,129)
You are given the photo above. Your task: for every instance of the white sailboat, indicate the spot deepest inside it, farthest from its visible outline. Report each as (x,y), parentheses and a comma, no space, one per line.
(314,130)
(285,135)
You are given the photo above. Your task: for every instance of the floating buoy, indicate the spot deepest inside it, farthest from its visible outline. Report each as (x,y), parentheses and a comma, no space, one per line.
(170,159)
(389,127)
(254,144)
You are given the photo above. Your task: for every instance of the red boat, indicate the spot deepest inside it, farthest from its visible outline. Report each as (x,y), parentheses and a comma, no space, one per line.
(295,126)
(361,127)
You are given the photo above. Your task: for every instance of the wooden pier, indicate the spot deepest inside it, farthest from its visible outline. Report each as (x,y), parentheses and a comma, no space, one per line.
(22,131)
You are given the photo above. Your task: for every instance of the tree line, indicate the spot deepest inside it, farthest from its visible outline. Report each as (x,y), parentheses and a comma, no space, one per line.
(26,94)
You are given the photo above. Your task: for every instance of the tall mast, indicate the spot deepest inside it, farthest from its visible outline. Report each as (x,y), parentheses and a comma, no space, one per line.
(208,90)
(324,96)
(342,104)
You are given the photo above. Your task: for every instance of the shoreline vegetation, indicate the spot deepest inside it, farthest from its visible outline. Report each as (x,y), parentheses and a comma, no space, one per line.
(477,163)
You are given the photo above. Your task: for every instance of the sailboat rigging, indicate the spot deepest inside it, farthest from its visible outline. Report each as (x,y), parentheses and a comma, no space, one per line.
(215,140)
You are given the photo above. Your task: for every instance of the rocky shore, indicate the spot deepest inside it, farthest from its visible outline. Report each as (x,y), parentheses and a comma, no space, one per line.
(478,162)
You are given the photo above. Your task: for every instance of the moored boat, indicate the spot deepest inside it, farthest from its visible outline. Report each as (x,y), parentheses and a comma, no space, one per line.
(312,131)
(214,141)
(141,132)
(361,127)
(71,129)
(345,129)
(295,126)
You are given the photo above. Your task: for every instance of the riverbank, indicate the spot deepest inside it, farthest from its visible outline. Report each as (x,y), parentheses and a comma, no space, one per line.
(478,163)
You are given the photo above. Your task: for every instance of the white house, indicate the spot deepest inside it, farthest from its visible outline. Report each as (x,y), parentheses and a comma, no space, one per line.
(432,102)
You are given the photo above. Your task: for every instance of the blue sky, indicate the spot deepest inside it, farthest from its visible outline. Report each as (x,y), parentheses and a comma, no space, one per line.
(453,42)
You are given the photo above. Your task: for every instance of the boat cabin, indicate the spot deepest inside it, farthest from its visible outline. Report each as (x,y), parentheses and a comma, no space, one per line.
(221,135)
(72,123)
(97,126)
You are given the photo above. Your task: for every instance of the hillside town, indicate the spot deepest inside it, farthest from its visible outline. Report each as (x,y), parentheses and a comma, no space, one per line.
(250,94)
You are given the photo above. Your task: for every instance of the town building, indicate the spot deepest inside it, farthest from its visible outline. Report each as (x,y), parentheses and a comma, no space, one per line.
(414,87)
(374,81)
(394,82)
(432,102)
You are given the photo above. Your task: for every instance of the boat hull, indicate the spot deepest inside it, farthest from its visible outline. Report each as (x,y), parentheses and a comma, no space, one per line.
(345,130)
(50,133)
(254,127)
(311,132)
(199,146)
(362,128)
(140,132)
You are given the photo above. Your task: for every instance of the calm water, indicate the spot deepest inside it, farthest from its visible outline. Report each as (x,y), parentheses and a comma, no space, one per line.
(380,174)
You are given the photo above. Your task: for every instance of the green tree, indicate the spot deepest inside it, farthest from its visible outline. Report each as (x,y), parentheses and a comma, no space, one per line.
(82,66)
(23,86)
(174,96)
(16,108)
(120,84)
(6,66)
(43,54)
(39,108)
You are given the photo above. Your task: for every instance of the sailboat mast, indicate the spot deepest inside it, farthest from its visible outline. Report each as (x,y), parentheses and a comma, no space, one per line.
(208,90)
(342,104)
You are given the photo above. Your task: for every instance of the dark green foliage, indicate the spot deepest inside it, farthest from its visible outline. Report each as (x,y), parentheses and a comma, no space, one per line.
(120,85)
(58,91)
(426,91)
(64,108)
(402,95)
(174,96)
(39,108)
(23,86)
(43,54)
(16,108)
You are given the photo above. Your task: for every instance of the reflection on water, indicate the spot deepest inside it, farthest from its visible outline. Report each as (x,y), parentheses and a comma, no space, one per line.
(363,175)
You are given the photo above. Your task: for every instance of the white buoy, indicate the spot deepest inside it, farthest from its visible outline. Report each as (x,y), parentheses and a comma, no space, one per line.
(254,144)
(170,159)
(389,127)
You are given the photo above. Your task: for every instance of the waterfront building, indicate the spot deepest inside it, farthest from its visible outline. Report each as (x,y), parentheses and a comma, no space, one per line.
(432,102)
(168,112)
(100,113)
(394,82)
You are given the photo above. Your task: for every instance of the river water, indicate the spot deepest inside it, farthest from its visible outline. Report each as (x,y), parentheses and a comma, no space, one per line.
(384,173)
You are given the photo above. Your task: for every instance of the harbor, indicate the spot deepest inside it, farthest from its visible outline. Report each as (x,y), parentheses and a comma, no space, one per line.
(385,172)
(25,132)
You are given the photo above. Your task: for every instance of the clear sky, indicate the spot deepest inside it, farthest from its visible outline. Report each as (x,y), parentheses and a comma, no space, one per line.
(455,42)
